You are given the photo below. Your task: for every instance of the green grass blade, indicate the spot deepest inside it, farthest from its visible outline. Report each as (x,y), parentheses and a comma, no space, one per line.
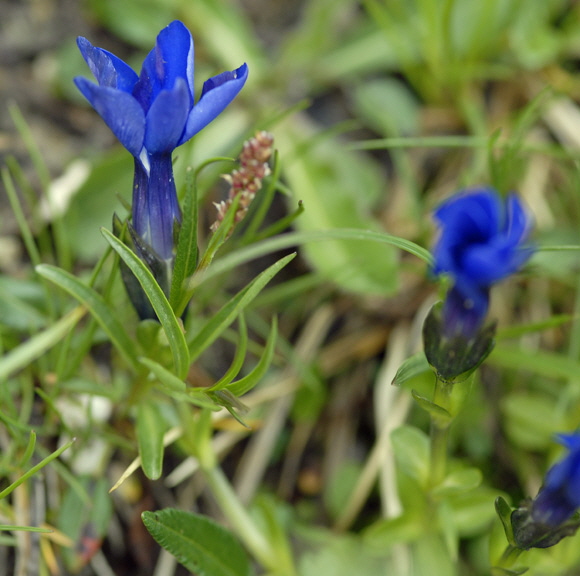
(244,255)
(159,302)
(26,353)
(99,309)
(7,527)
(35,469)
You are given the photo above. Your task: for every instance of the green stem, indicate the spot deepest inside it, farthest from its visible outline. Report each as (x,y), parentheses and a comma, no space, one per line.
(440,433)
(240,519)
(509,557)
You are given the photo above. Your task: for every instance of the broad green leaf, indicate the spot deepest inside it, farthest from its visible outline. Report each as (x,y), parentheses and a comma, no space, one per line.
(20,303)
(548,364)
(99,309)
(411,367)
(431,556)
(150,430)
(23,355)
(388,532)
(245,384)
(159,302)
(187,252)
(228,313)
(411,448)
(459,481)
(339,190)
(473,511)
(531,419)
(200,544)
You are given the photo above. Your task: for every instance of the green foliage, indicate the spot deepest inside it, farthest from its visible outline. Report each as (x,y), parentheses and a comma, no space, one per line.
(200,544)
(379,111)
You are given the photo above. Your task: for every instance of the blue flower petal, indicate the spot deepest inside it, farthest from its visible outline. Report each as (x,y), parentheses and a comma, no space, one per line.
(171,59)
(106,67)
(120,111)
(217,93)
(166,119)
(519,221)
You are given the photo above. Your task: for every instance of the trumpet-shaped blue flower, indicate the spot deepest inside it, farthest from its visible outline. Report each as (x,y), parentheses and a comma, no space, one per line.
(559,496)
(482,240)
(153,113)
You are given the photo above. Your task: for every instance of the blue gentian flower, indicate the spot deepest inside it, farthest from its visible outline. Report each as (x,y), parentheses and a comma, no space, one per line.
(559,496)
(153,113)
(482,240)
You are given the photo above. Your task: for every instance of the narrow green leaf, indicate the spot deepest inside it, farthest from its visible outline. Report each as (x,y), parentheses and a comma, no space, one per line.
(35,469)
(495,571)
(216,241)
(246,383)
(29,449)
(522,330)
(26,353)
(228,401)
(200,544)
(227,314)
(411,367)
(25,231)
(187,253)
(504,511)
(248,253)
(238,360)
(7,527)
(159,302)
(436,411)
(97,306)
(168,380)
(548,364)
(150,430)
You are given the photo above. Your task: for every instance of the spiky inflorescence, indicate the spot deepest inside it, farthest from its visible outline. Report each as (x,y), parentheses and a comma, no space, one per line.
(247,179)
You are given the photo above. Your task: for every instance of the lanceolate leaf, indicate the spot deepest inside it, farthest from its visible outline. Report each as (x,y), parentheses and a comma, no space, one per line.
(159,302)
(411,367)
(187,252)
(150,430)
(246,383)
(97,306)
(238,360)
(200,544)
(227,314)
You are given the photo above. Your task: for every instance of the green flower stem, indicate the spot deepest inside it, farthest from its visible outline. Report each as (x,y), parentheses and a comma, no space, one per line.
(440,433)
(509,557)
(241,520)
